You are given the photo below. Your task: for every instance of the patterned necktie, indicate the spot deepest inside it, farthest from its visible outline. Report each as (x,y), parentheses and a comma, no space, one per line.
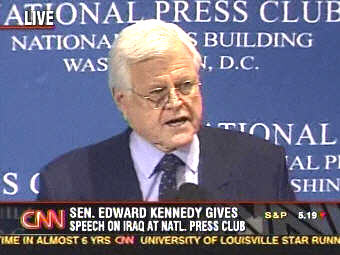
(169,165)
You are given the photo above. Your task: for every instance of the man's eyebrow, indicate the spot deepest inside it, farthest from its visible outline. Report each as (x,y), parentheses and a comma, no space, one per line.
(185,78)
(159,84)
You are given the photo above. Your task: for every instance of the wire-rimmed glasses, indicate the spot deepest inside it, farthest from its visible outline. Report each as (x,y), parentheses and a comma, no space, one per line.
(161,96)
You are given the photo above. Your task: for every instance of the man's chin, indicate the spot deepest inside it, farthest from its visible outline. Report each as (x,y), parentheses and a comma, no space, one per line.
(175,140)
(180,140)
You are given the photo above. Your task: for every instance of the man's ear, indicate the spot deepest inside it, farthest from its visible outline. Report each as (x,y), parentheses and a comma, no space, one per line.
(119,98)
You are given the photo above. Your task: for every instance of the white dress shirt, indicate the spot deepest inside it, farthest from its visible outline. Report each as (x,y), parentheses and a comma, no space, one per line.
(145,158)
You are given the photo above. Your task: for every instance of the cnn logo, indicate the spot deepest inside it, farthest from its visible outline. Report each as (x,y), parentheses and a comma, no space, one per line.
(36,219)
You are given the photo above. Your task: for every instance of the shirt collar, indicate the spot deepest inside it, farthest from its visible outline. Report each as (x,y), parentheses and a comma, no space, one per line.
(148,156)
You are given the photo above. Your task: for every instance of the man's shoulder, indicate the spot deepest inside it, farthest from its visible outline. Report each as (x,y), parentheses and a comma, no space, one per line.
(90,173)
(238,162)
(81,157)
(236,140)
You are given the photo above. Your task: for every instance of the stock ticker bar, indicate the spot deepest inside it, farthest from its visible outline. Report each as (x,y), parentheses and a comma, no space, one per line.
(170,240)
(163,225)
(170,218)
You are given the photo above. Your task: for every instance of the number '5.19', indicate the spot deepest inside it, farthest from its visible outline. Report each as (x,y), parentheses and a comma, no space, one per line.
(307,215)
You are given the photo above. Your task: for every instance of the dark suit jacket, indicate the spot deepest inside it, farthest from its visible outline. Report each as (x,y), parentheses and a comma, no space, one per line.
(233,166)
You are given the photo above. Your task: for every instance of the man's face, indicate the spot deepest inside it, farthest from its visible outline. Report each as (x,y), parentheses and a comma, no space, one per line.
(173,125)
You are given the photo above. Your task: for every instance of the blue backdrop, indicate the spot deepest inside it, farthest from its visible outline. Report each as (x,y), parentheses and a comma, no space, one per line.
(271,69)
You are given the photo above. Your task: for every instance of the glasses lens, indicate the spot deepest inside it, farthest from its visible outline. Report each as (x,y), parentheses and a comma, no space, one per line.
(158,94)
(159,97)
(187,87)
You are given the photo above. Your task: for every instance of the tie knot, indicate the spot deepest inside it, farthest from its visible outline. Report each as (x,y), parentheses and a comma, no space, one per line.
(169,162)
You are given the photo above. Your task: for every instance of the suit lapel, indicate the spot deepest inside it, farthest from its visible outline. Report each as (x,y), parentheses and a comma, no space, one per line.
(210,174)
(113,171)
(220,173)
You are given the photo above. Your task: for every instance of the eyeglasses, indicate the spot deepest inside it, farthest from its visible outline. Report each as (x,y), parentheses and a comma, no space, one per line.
(161,96)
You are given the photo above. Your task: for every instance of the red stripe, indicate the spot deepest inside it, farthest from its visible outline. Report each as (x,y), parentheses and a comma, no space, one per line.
(25,27)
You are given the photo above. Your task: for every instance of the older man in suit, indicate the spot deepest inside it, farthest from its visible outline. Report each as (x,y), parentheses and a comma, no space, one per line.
(154,79)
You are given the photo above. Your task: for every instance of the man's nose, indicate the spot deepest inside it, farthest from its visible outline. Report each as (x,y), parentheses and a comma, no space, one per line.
(175,98)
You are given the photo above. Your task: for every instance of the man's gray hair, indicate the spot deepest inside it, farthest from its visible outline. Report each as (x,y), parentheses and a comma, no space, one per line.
(141,41)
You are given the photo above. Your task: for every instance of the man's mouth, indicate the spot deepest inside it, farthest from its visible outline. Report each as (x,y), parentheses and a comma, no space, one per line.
(177,122)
